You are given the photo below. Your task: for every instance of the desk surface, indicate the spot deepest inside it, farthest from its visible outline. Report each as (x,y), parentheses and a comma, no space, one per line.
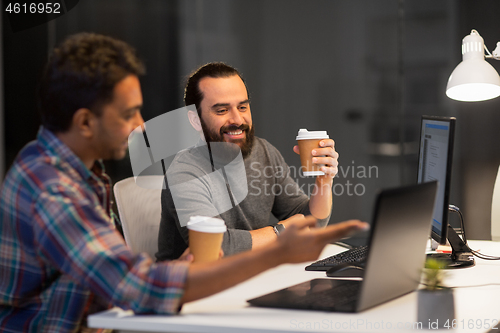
(228,311)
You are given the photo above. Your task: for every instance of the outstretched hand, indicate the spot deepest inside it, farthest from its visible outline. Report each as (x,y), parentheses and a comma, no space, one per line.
(302,241)
(299,242)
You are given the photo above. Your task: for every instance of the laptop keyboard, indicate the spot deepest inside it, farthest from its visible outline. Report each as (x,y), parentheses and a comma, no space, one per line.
(326,299)
(354,256)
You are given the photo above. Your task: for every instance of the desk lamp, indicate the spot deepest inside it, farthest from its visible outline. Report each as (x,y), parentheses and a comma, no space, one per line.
(476,80)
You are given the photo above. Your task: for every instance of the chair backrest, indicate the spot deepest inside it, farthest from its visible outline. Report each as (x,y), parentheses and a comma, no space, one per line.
(139,208)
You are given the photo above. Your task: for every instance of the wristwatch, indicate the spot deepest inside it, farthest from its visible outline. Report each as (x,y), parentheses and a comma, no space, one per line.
(278,228)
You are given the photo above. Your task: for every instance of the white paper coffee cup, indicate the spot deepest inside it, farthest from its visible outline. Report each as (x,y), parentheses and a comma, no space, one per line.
(206,224)
(205,237)
(307,141)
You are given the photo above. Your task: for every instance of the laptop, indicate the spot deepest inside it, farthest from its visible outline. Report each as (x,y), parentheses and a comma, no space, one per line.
(398,237)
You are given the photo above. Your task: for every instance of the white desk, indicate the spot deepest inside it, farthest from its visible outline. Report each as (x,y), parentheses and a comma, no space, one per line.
(229,312)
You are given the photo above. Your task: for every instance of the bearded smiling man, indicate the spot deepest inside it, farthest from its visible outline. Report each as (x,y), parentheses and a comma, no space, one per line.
(223,115)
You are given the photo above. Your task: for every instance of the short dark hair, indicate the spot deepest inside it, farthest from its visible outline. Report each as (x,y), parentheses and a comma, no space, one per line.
(82,73)
(192,92)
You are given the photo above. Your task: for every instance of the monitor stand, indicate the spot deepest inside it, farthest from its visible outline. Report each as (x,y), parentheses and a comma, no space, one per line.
(460,256)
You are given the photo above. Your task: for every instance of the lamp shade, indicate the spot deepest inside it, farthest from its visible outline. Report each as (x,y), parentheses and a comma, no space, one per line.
(473,79)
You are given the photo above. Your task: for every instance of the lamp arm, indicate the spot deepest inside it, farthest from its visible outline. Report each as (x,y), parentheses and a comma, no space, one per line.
(496,52)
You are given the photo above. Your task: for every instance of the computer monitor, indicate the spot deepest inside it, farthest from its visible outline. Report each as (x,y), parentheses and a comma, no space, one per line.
(435,163)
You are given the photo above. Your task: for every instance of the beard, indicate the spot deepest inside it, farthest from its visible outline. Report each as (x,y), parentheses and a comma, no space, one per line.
(245,144)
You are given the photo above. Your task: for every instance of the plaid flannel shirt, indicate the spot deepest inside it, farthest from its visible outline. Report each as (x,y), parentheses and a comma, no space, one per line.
(61,257)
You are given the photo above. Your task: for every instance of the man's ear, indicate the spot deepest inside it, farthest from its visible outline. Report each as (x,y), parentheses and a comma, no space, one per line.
(194,120)
(84,122)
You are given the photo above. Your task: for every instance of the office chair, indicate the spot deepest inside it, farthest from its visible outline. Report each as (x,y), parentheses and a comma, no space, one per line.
(139,207)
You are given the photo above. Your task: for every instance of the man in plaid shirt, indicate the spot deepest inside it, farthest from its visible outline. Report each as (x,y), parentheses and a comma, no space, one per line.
(61,257)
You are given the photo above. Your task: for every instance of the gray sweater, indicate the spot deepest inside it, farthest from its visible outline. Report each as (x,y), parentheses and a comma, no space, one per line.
(193,188)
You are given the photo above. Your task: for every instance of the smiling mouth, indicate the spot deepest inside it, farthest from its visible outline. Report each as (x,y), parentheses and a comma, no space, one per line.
(238,132)
(235,134)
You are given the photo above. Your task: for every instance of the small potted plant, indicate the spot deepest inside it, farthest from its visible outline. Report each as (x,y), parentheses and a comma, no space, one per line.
(436,307)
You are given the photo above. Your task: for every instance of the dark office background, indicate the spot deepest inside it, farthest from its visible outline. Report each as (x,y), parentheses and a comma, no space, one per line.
(363,70)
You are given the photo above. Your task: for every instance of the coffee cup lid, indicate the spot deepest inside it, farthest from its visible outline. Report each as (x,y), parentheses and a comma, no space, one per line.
(206,224)
(304,134)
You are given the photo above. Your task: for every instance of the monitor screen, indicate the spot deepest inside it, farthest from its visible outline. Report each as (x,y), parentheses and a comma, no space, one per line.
(434,163)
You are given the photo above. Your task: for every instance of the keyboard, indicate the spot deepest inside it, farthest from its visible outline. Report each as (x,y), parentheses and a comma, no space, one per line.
(353,256)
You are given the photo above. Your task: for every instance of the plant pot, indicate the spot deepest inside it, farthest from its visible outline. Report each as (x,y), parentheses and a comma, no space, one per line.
(436,308)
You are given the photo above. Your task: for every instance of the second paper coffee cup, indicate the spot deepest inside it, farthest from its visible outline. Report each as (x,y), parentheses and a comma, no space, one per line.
(205,237)
(307,141)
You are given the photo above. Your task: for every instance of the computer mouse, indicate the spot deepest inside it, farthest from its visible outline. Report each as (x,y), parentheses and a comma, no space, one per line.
(346,271)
